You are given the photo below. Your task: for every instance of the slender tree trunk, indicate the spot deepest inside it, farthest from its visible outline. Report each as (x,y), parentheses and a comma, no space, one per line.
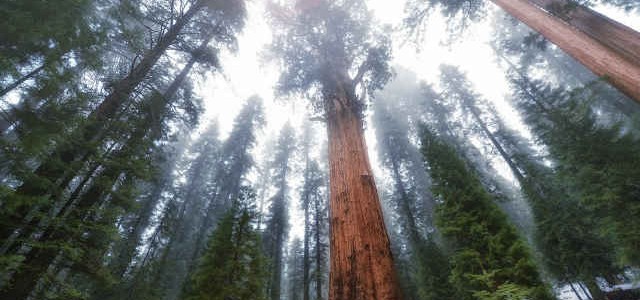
(575,292)
(362,266)
(306,259)
(318,252)
(594,289)
(38,260)
(514,169)
(601,60)
(620,38)
(20,81)
(60,173)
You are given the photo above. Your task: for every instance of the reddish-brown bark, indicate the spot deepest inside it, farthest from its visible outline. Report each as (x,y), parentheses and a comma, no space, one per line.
(361,260)
(620,38)
(601,60)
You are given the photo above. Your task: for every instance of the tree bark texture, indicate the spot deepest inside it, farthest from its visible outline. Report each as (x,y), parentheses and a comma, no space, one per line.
(361,261)
(601,60)
(620,38)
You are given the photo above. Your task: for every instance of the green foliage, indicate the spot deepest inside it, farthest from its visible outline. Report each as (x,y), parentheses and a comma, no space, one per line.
(233,266)
(432,272)
(488,258)
(599,163)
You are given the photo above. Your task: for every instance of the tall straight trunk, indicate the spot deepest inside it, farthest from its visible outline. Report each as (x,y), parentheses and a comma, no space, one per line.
(20,81)
(362,266)
(306,259)
(594,289)
(318,274)
(622,39)
(276,276)
(600,59)
(39,259)
(60,170)
(410,225)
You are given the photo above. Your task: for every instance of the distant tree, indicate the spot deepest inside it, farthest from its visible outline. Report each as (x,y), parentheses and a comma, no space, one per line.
(233,266)
(425,266)
(214,177)
(295,270)
(332,55)
(277,226)
(314,205)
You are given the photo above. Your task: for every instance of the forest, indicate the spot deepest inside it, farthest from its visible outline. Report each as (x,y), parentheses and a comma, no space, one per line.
(320,149)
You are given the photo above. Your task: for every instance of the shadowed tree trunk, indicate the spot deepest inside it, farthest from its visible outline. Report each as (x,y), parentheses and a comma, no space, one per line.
(622,39)
(601,60)
(38,260)
(361,261)
(68,158)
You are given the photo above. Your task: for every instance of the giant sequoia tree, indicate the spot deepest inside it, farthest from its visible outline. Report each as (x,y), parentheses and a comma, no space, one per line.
(332,55)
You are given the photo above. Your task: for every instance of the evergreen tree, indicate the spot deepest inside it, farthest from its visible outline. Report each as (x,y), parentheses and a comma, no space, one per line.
(598,162)
(570,248)
(275,233)
(233,266)
(489,260)
(423,265)
(295,270)
(214,178)
(314,206)
(330,52)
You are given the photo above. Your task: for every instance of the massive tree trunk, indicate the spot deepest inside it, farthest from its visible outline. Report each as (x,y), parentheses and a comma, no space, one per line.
(622,39)
(601,60)
(361,262)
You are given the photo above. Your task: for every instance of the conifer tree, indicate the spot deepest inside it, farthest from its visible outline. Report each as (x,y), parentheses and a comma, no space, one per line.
(214,178)
(277,227)
(489,259)
(424,264)
(571,249)
(233,266)
(598,162)
(332,54)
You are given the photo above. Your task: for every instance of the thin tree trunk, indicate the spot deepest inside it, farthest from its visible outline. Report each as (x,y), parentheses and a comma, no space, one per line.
(622,39)
(61,172)
(318,252)
(575,292)
(362,266)
(594,289)
(37,259)
(20,81)
(306,261)
(601,60)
